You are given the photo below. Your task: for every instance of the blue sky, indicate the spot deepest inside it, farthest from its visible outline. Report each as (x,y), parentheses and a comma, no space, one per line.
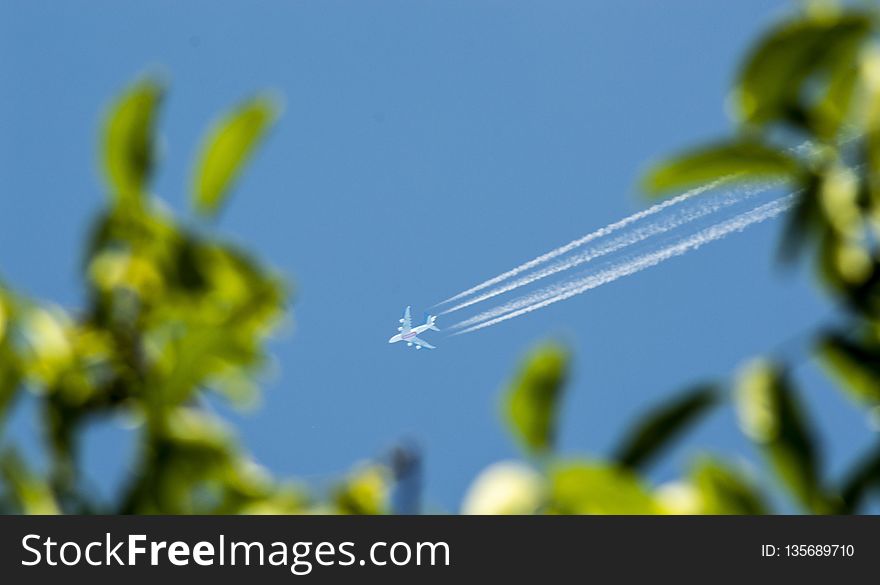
(424,147)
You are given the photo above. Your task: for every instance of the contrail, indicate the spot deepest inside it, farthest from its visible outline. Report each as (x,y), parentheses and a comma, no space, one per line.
(556,293)
(601,232)
(659,226)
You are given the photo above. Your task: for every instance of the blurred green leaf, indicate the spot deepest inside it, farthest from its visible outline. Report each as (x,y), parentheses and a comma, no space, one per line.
(651,435)
(803,221)
(860,480)
(29,492)
(728,161)
(364,492)
(10,378)
(199,432)
(581,487)
(839,198)
(724,491)
(532,400)
(227,148)
(833,109)
(248,488)
(855,364)
(774,77)
(770,414)
(6,309)
(129,150)
(849,271)
(10,367)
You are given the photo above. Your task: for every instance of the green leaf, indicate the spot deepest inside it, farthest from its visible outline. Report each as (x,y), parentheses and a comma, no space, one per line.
(533,398)
(804,220)
(860,480)
(774,78)
(831,111)
(10,379)
(581,487)
(664,424)
(129,141)
(855,365)
(723,490)
(196,432)
(727,161)
(12,365)
(770,414)
(364,492)
(227,148)
(31,493)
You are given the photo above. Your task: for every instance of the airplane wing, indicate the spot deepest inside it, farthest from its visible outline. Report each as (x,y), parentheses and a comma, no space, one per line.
(406,322)
(421,342)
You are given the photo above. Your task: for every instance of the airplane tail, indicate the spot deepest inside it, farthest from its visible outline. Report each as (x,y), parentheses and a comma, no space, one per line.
(431,320)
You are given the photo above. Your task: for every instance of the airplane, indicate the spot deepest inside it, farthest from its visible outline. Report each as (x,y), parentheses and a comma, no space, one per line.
(408,333)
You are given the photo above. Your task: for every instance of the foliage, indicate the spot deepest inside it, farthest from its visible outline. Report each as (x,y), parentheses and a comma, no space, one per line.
(650,436)
(532,399)
(174,315)
(227,149)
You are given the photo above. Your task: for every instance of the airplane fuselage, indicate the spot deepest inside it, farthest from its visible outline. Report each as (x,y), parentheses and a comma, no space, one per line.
(412,333)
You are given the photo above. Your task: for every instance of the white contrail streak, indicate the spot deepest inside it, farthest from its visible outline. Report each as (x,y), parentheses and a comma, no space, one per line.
(553,294)
(659,226)
(601,232)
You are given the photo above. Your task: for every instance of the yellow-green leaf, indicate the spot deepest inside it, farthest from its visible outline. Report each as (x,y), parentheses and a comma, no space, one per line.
(532,400)
(774,76)
(31,493)
(771,415)
(856,366)
(129,149)
(724,490)
(725,162)
(227,148)
(582,487)
(364,492)
(833,109)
